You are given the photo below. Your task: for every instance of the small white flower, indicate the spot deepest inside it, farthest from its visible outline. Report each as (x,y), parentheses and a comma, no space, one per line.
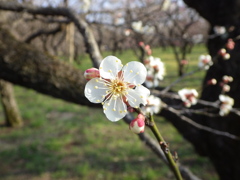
(118,87)
(86,5)
(226,104)
(205,61)
(188,96)
(137,26)
(219,30)
(155,71)
(153,105)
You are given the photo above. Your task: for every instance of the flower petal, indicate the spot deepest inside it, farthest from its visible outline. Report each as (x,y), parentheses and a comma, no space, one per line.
(115,109)
(95,90)
(134,72)
(138,96)
(109,67)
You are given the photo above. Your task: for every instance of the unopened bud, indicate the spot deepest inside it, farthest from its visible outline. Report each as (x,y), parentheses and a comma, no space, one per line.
(227,79)
(212,82)
(137,125)
(91,73)
(149,52)
(141,44)
(184,62)
(226,56)
(222,52)
(226,88)
(230,44)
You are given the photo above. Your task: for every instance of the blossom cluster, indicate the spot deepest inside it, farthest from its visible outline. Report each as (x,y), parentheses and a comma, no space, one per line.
(188,96)
(226,104)
(138,27)
(205,61)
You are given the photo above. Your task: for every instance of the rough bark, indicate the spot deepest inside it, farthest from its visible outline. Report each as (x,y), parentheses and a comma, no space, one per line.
(23,65)
(10,107)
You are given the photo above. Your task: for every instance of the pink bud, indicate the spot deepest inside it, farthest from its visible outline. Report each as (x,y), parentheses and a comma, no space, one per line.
(137,125)
(91,73)
(141,44)
(184,62)
(149,52)
(147,47)
(230,44)
(226,88)
(222,52)
(212,82)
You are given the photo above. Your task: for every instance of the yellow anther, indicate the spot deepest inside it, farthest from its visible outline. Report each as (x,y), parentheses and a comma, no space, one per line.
(131,71)
(114,109)
(96,87)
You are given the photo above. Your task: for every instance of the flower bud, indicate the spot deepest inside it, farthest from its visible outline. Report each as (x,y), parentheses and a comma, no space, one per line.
(91,73)
(226,56)
(137,125)
(230,44)
(212,82)
(149,52)
(226,88)
(184,62)
(227,79)
(141,43)
(222,52)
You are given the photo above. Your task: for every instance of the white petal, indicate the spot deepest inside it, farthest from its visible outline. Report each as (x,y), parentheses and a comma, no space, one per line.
(134,72)
(115,109)
(138,96)
(95,90)
(109,67)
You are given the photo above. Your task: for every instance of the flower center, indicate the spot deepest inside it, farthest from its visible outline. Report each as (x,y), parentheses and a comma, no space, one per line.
(118,87)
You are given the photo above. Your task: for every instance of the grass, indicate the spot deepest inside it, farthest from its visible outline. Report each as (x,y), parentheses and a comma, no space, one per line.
(65,141)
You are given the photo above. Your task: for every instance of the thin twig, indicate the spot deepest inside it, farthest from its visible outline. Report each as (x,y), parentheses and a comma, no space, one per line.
(165,148)
(202,127)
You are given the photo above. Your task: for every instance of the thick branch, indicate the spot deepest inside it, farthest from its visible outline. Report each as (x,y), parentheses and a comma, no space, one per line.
(80,24)
(23,65)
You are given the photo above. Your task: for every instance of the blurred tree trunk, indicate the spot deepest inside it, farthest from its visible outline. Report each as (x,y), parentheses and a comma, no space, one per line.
(10,108)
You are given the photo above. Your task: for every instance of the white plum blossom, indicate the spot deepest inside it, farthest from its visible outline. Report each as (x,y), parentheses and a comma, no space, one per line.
(205,61)
(226,104)
(219,30)
(188,96)
(155,71)
(154,105)
(118,87)
(138,27)
(86,5)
